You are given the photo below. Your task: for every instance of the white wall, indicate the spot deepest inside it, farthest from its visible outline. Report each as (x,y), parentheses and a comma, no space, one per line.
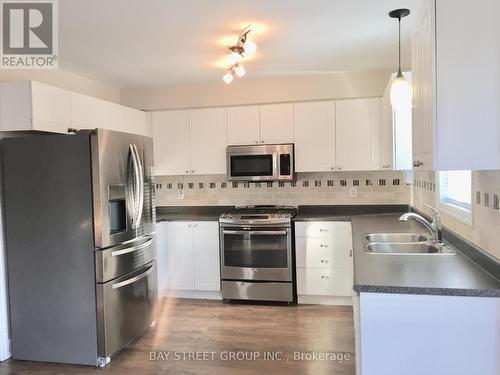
(248,90)
(65,80)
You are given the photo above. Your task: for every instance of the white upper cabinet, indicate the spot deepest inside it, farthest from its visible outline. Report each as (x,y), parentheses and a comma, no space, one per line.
(270,123)
(88,112)
(314,124)
(243,125)
(357,134)
(455,60)
(423,67)
(387,130)
(51,108)
(171,142)
(208,140)
(276,123)
(30,105)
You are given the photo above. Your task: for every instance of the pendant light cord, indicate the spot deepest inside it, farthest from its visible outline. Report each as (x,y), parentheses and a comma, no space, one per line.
(399,24)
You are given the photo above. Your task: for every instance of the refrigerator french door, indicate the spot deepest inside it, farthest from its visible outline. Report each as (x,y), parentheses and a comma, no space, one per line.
(122,180)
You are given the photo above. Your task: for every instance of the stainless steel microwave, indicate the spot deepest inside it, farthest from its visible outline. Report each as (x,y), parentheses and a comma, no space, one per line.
(261,163)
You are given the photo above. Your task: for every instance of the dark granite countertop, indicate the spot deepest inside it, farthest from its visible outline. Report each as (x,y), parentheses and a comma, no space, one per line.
(345,212)
(455,275)
(190,213)
(438,274)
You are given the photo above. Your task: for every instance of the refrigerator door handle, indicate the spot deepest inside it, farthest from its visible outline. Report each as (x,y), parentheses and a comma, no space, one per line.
(131,248)
(134,187)
(140,179)
(133,279)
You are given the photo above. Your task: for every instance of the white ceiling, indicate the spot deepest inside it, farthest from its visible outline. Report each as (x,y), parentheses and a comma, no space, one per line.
(133,43)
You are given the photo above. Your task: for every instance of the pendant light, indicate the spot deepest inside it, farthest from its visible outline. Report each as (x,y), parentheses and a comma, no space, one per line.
(400,89)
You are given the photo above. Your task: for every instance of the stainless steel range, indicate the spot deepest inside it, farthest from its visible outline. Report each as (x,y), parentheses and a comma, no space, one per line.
(256,253)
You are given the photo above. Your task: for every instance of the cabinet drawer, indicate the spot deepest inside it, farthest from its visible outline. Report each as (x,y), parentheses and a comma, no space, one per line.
(326,282)
(323,259)
(332,229)
(341,243)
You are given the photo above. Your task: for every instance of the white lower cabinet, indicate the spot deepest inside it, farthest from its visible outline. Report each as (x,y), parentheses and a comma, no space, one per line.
(323,260)
(187,256)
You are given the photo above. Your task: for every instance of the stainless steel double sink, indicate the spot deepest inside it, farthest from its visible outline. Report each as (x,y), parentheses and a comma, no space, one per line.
(404,243)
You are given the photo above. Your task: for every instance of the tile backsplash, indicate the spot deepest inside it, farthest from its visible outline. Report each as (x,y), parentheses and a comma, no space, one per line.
(486,210)
(309,188)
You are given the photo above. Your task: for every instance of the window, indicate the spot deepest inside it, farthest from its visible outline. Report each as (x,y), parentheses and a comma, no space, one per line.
(454,195)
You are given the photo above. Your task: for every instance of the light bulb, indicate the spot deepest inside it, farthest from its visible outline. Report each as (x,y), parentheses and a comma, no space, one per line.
(401,94)
(239,70)
(233,58)
(250,47)
(228,78)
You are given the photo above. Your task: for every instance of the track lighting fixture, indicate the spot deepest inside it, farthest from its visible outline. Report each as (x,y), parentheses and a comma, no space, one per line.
(243,48)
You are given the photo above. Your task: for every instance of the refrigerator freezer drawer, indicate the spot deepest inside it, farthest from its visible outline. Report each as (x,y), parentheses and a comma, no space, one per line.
(125,308)
(120,260)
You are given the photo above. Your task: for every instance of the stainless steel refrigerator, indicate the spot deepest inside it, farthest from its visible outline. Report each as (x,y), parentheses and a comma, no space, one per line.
(80,241)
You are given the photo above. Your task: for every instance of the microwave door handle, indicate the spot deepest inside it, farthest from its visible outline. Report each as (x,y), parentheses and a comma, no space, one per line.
(256,232)
(132,279)
(131,249)
(141,185)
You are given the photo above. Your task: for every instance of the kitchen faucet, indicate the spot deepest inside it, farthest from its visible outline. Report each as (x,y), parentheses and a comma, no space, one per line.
(435,227)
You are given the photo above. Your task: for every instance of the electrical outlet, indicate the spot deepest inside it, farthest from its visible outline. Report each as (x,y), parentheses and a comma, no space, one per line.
(180,194)
(354,192)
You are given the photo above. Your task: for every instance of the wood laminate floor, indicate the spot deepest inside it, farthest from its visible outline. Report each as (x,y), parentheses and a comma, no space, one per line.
(196,326)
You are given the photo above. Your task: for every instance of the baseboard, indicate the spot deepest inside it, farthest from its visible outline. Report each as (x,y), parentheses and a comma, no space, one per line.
(196,294)
(325,300)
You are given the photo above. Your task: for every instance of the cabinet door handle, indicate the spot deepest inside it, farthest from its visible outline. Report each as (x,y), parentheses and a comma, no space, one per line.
(324,261)
(324,277)
(187,172)
(262,141)
(256,141)
(192,170)
(323,245)
(339,168)
(350,253)
(323,230)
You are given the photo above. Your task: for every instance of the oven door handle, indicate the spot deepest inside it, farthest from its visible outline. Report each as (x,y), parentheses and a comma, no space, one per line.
(257,232)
